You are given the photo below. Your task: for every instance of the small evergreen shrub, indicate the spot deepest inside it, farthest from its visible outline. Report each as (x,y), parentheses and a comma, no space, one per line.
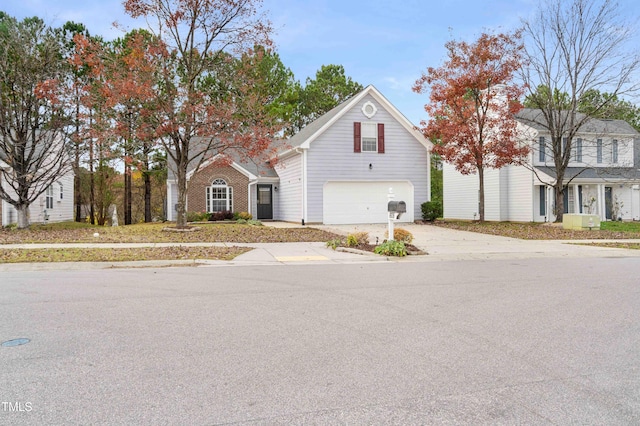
(391,248)
(241,221)
(431,210)
(242,215)
(254,222)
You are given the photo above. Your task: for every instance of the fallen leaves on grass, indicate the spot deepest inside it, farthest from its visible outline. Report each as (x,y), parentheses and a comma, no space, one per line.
(536,231)
(153,233)
(119,254)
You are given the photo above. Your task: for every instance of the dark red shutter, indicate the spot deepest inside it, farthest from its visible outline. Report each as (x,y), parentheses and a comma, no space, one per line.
(356,137)
(380,138)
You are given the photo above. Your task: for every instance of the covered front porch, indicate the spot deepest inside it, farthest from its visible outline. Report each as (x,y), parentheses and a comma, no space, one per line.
(608,200)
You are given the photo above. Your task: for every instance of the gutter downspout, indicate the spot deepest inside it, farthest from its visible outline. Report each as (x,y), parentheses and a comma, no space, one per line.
(249,206)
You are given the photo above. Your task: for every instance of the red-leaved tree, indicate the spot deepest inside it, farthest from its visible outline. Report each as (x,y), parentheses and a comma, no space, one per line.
(473,98)
(194,124)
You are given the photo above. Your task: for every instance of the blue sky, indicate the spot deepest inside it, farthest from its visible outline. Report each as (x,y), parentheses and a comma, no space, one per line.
(380,42)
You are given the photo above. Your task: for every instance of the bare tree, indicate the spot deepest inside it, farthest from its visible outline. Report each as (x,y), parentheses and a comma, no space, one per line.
(31,120)
(573,48)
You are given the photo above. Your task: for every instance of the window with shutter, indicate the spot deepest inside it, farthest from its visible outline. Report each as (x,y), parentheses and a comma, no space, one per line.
(380,138)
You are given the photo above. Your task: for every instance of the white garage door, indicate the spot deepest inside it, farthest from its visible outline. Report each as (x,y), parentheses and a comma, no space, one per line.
(363,202)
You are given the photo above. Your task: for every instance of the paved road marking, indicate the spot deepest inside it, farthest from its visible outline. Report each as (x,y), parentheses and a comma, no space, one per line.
(299,258)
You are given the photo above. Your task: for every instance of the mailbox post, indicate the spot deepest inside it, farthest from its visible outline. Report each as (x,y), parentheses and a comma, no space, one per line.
(395,210)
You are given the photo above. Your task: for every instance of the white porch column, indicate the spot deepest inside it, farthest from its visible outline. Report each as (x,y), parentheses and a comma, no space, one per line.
(601,202)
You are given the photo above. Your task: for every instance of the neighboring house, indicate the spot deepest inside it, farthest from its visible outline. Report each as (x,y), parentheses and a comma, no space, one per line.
(337,170)
(602,177)
(54,205)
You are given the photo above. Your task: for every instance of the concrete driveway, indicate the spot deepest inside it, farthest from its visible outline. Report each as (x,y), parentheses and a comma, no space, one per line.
(449,244)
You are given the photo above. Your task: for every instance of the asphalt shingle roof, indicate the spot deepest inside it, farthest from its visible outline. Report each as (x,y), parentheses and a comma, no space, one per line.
(534,118)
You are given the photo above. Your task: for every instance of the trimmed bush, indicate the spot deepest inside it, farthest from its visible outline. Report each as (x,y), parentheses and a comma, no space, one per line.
(431,210)
(242,215)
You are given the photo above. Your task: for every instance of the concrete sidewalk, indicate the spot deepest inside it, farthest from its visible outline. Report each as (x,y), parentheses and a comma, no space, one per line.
(441,244)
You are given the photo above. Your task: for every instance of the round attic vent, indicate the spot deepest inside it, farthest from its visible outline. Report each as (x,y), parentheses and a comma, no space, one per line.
(369,109)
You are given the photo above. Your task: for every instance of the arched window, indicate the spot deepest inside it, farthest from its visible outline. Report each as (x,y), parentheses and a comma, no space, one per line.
(219,197)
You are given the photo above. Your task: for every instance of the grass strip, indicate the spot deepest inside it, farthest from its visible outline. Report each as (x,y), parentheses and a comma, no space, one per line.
(119,254)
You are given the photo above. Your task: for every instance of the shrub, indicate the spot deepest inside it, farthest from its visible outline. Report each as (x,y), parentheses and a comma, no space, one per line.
(400,234)
(245,215)
(391,248)
(254,222)
(223,215)
(335,243)
(241,221)
(197,216)
(357,239)
(431,210)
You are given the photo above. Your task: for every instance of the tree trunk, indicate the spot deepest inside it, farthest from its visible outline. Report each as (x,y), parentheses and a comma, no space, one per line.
(558,190)
(127,194)
(77,196)
(181,220)
(147,196)
(92,186)
(481,194)
(23,216)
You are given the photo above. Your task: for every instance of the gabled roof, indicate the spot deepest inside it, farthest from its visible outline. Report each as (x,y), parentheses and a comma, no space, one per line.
(535,118)
(312,131)
(248,167)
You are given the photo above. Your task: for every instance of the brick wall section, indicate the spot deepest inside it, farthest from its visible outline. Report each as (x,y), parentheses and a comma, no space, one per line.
(197,195)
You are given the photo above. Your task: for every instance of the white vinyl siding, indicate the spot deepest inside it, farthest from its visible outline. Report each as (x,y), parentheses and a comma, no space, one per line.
(508,194)
(61,210)
(331,158)
(289,197)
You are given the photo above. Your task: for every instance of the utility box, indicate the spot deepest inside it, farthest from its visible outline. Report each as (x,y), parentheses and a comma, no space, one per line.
(580,221)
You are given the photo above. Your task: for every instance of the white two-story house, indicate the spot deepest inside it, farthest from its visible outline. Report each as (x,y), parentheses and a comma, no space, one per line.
(602,177)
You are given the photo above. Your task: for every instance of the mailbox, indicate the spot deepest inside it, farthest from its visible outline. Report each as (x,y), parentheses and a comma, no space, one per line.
(397,207)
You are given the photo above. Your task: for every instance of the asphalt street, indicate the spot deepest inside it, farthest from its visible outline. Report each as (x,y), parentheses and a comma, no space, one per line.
(520,341)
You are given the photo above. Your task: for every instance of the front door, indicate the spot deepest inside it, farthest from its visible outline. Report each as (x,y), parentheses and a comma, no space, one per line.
(608,200)
(265,205)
